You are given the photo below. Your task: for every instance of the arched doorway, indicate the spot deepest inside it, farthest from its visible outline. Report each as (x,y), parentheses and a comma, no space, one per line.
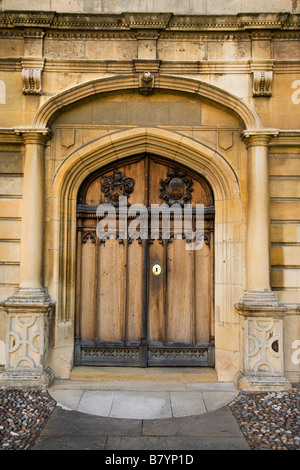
(144,289)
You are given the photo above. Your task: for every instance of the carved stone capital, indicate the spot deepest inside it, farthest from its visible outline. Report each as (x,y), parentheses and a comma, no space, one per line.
(34,135)
(258,137)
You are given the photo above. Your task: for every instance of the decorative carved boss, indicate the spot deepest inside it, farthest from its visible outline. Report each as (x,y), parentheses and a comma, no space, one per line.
(146,83)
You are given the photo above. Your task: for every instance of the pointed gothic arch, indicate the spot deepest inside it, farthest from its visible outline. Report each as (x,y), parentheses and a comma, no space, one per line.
(87,159)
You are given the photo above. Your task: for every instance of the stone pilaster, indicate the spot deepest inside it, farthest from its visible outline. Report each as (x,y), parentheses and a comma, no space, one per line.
(263,365)
(30,310)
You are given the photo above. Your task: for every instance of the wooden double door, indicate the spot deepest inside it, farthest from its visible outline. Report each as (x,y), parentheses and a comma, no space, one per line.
(144,289)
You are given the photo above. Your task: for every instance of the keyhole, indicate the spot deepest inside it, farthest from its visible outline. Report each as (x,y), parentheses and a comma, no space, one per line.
(156,269)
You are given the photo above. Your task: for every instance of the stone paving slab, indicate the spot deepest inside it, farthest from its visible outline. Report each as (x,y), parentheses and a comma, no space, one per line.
(72,430)
(175,443)
(187,403)
(63,423)
(218,423)
(142,405)
(138,400)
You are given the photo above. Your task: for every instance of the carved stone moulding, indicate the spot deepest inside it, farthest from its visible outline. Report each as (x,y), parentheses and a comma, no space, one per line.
(150,65)
(145,21)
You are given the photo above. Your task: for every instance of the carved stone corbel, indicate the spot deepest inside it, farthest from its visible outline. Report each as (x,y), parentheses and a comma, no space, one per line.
(262,83)
(32,70)
(262,77)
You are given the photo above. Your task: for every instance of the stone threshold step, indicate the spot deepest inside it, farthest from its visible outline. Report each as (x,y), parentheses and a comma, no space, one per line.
(166,374)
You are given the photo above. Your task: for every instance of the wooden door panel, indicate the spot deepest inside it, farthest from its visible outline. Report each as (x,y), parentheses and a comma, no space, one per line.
(180,308)
(134,291)
(125,314)
(88,286)
(202,281)
(112,293)
(156,291)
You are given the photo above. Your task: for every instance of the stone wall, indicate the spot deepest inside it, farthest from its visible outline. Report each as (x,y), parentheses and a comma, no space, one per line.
(11,172)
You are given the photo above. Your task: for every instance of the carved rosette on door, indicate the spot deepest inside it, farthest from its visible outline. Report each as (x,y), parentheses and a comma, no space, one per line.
(143,299)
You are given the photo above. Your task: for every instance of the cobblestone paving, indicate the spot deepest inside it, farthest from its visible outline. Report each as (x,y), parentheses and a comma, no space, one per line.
(23,415)
(268,420)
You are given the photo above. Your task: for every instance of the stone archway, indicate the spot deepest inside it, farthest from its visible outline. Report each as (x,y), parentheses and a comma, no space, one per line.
(82,163)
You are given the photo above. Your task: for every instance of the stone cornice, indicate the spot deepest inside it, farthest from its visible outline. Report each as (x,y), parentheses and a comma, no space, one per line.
(145,21)
(14,64)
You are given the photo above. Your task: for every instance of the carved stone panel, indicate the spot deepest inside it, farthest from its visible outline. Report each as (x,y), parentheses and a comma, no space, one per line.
(28,339)
(263,346)
(25,339)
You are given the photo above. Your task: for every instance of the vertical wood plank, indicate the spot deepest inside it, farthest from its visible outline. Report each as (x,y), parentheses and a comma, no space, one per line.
(134,291)
(212,283)
(111,291)
(179,295)
(156,320)
(202,293)
(78,281)
(88,288)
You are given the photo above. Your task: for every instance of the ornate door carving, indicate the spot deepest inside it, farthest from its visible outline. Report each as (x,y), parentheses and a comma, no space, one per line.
(143,298)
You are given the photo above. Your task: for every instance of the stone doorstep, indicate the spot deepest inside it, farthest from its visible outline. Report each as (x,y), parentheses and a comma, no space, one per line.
(141,404)
(152,374)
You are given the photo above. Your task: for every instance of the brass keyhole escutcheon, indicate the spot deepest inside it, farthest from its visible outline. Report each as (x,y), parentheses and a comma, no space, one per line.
(156,269)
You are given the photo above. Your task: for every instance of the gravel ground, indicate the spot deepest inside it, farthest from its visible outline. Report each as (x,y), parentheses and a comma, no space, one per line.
(268,420)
